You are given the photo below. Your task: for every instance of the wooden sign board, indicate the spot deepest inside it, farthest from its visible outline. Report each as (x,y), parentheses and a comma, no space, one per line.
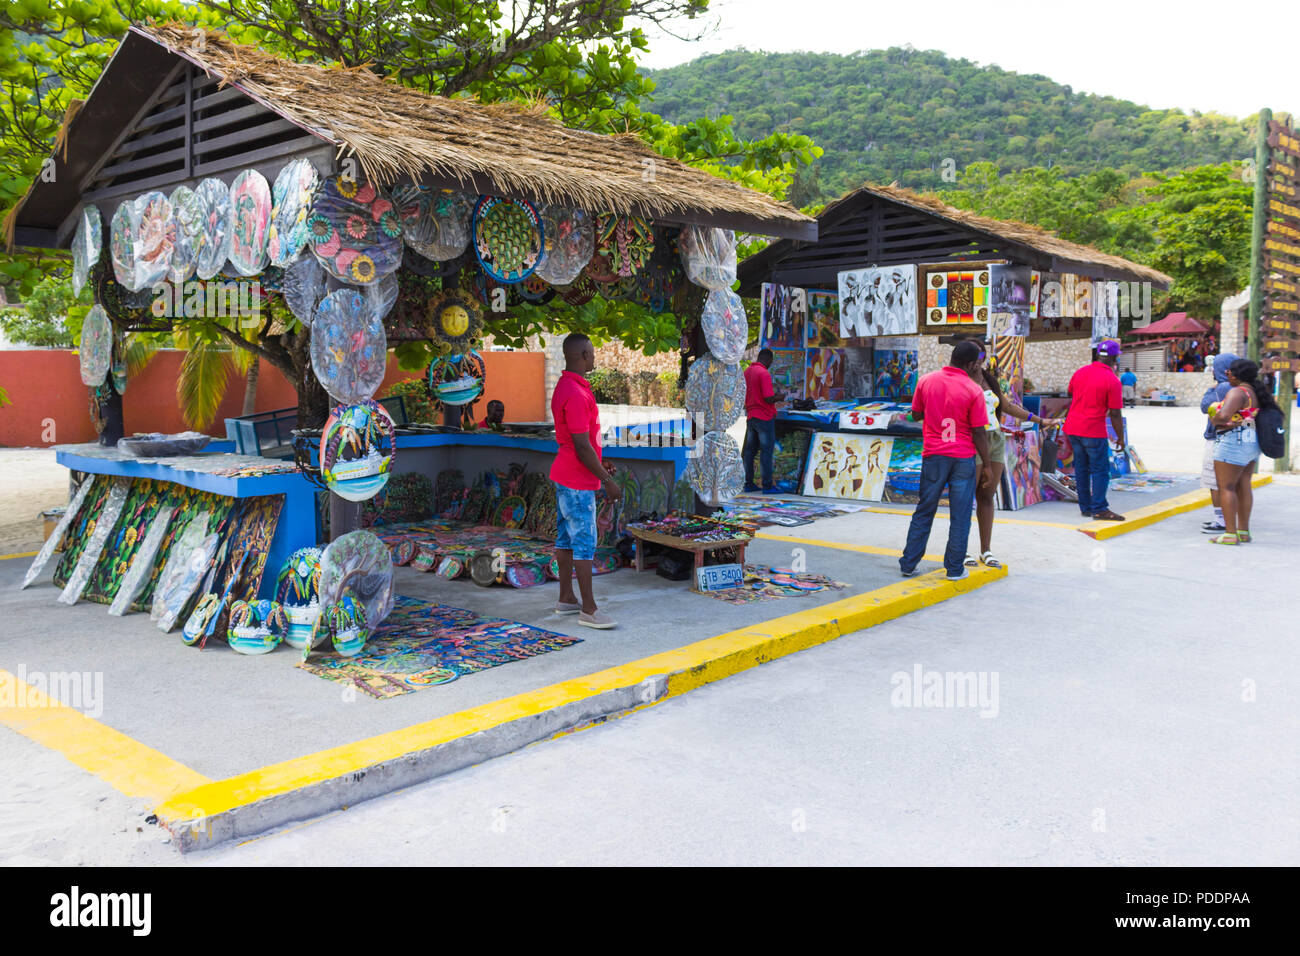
(1282,247)
(1283,230)
(1283,138)
(1280,169)
(1282,365)
(1281,265)
(1279,345)
(1274,326)
(1282,286)
(1276,207)
(1281,305)
(1282,189)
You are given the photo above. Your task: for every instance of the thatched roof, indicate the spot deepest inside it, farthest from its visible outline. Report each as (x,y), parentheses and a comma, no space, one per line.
(1023,233)
(397,132)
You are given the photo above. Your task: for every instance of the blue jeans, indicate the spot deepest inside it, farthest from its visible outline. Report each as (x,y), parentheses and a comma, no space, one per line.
(1091,472)
(958,476)
(760,436)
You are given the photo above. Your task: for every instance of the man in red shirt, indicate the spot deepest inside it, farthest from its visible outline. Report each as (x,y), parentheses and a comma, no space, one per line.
(1095,392)
(496,414)
(950,407)
(578,473)
(760,414)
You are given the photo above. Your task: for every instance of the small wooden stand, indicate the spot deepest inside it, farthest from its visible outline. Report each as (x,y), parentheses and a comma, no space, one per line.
(698,548)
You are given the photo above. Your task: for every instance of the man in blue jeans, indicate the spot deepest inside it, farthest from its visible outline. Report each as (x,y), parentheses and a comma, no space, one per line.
(950,407)
(1095,392)
(761,399)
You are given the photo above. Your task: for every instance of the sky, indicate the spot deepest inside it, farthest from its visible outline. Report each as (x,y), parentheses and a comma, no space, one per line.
(1163,55)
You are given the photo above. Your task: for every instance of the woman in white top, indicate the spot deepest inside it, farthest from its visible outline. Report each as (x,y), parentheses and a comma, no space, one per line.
(997,405)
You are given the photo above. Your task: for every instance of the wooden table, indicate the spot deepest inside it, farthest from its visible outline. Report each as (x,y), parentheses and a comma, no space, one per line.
(698,548)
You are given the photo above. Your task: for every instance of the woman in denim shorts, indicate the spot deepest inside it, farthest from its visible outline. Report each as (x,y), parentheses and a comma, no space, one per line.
(1236,449)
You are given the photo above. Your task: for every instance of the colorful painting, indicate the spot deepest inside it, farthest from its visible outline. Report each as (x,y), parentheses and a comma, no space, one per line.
(783,312)
(822,323)
(824,375)
(1011,292)
(788,373)
(847,466)
(250,212)
(354,230)
(1009,364)
(897,367)
(957,296)
(1022,484)
(788,458)
(877,301)
(903,483)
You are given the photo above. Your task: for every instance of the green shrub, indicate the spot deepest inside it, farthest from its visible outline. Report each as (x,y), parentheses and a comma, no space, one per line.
(610,386)
(419,407)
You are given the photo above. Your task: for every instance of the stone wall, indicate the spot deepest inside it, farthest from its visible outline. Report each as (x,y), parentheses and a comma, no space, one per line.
(1188,387)
(1048,365)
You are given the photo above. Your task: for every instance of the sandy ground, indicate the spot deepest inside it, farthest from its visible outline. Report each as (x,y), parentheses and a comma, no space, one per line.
(33,481)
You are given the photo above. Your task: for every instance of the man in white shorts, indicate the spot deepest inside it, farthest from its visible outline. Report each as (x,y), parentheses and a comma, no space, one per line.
(1216,393)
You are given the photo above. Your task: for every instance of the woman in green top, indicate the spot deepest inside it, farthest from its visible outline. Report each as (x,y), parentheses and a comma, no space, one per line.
(997,405)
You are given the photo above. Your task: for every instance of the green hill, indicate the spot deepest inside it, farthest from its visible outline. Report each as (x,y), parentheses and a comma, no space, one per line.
(898,114)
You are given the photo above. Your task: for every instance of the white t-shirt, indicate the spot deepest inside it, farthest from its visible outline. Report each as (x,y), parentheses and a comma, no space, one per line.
(991,406)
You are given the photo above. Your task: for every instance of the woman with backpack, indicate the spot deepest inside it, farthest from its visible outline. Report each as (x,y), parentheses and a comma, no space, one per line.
(1246,411)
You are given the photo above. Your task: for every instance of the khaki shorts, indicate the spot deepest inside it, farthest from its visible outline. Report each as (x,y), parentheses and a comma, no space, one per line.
(997,446)
(1207,467)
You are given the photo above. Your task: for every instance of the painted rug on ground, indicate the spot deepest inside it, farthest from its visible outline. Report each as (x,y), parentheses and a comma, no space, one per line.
(763,510)
(1149,483)
(423,644)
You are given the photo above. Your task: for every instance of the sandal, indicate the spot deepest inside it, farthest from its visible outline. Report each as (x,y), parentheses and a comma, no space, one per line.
(970,561)
(1225,538)
(1243,537)
(989,561)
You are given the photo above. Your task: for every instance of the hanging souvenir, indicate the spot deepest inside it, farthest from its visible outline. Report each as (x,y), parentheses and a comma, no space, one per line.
(87,243)
(725,325)
(455,322)
(356,450)
(117,369)
(581,291)
(356,564)
(355,231)
(456,379)
(214,241)
(297,592)
(715,394)
(535,290)
(508,238)
(128,309)
(381,295)
(121,243)
(657,283)
(419,228)
(412,261)
(345,623)
(291,197)
(624,244)
(570,243)
(303,287)
(450,213)
(709,256)
(349,350)
(96,346)
(255,627)
(716,473)
(187,234)
(250,217)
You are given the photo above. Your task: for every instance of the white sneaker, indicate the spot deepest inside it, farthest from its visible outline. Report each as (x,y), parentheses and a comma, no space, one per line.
(965,573)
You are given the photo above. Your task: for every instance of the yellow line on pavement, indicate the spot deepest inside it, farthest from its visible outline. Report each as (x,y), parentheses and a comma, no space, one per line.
(20,554)
(125,764)
(1142,517)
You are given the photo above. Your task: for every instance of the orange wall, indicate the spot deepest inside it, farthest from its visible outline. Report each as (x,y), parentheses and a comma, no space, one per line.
(50,405)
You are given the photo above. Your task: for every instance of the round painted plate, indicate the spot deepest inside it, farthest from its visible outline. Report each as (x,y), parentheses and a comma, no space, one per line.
(358,562)
(510,512)
(624,244)
(152,246)
(349,350)
(536,290)
(187,233)
(250,218)
(303,287)
(356,450)
(508,238)
(709,256)
(451,214)
(87,243)
(570,243)
(525,575)
(355,231)
(255,627)
(715,393)
(411,201)
(297,592)
(214,243)
(725,325)
(381,295)
(96,346)
(121,244)
(291,196)
(716,473)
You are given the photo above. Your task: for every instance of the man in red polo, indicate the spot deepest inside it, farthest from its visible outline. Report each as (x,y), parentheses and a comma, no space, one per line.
(578,473)
(1095,393)
(761,398)
(950,407)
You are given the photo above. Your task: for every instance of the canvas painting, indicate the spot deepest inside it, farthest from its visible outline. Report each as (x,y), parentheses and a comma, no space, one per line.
(788,371)
(822,323)
(1055,304)
(1022,483)
(859,372)
(1105,311)
(897,367)
(782,322)
(1009,358)
(847,466)
(877,301)
(957,297)
(903,483)
(1011,288)
(824,378)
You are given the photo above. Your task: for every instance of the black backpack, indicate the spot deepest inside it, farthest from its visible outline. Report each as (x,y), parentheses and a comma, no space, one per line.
(1269,428)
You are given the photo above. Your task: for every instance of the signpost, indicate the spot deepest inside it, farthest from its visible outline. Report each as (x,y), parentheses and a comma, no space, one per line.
(1275,264)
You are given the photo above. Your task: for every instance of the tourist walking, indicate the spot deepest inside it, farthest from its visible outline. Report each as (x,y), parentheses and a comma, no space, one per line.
(578,473)
(761,398)
(1094,394)
(950,407)
(990,475)
(1236,448)
(1129,381)
(1215,393)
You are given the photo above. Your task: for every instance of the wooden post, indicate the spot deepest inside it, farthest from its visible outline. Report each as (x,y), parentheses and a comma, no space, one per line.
(1257,227)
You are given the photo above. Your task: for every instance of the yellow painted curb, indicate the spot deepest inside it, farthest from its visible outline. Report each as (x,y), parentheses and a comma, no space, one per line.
(125,764)
(1159,511)
(685,668)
